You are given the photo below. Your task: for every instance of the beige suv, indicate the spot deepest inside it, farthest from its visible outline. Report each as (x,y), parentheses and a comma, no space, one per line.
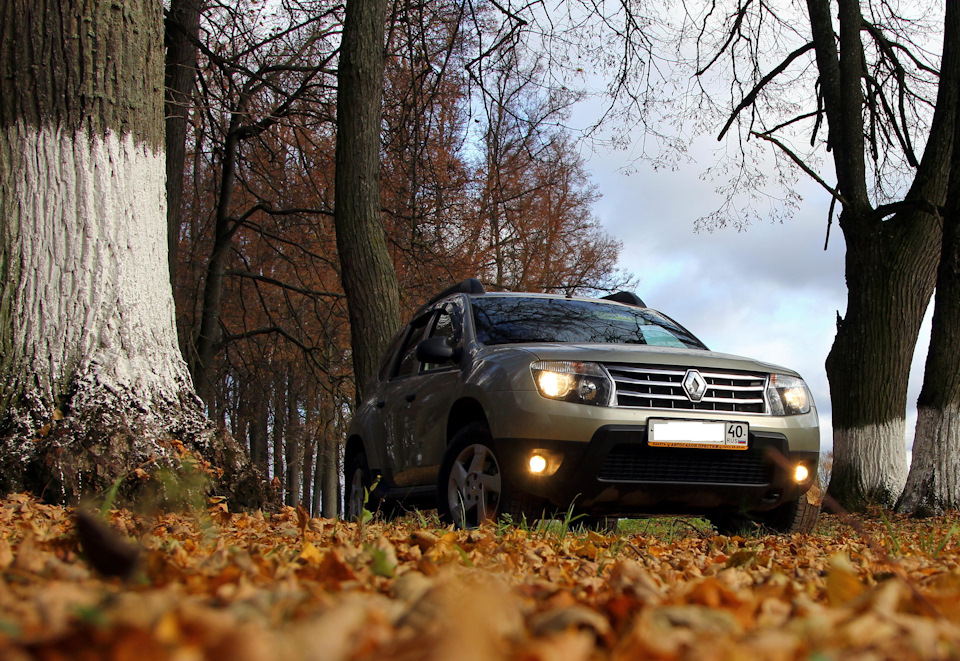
(494,404)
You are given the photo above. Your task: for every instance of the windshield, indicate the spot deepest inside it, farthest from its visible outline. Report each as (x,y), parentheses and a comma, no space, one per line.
(517,319)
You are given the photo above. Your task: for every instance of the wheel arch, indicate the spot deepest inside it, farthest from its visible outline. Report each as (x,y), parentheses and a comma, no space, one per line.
(353,445)
(464,412)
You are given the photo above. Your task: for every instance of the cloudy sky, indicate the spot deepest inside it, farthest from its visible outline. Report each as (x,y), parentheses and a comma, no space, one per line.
(770,292)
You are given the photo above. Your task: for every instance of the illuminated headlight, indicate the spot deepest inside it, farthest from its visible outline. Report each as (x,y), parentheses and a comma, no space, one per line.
(585,383)
(788,395)
(800,473)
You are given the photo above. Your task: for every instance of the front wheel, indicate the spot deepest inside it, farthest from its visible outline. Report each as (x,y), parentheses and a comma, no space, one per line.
(471,488)
(798,515)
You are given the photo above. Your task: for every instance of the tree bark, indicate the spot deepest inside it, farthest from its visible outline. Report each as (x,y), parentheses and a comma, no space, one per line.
(180,34)
(367,272)
(92,382)
(293,443)
(890,270)
(933,484)
(260,435)
(279,431)
(890,277)
(330,476)
(207,342)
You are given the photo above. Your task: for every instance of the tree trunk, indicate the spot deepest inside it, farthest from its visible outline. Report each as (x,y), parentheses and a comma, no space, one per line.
(890,269)
(330,477)
(180,34)
(933,484)
(367,272)
(259,435)
(308,462)
(92,384)
(890,279)
(293,443)
(207,342)
(279,423)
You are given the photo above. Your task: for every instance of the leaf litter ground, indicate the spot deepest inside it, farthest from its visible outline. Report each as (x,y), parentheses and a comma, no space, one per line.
(252,586)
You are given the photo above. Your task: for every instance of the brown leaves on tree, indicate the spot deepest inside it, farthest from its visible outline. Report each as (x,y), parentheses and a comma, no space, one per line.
(249,586)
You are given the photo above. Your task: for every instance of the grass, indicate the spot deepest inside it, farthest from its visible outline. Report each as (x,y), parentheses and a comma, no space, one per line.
(900,535)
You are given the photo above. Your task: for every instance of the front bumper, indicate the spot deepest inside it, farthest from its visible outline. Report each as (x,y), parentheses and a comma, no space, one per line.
(618,473)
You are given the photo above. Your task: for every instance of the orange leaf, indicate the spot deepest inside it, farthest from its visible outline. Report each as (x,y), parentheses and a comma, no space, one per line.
(843,583)
(310,554)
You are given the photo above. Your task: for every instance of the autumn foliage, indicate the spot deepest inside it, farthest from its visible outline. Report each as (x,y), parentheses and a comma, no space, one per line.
(474,183)
(221,585)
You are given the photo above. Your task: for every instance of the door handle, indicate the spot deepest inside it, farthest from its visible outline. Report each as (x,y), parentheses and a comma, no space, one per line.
(410,396)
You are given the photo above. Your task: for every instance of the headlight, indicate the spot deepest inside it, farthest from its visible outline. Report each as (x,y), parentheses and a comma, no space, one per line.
(585,383)
(788,395)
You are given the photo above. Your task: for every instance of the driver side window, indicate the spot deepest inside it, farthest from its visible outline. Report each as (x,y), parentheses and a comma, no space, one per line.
(448,326)
(409,365)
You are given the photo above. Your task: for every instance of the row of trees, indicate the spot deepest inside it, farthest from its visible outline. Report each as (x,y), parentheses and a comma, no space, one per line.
(487,185)
(874,86)
(478,179)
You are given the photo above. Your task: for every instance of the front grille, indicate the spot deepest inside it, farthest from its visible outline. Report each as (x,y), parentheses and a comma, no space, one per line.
(640,463)
(661,388)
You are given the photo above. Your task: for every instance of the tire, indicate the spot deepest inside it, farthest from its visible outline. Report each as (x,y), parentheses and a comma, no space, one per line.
(797,516)
(732,523)
(471,488)
(357,487)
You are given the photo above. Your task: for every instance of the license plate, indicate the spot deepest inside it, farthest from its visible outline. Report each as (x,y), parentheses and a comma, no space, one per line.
(698,434)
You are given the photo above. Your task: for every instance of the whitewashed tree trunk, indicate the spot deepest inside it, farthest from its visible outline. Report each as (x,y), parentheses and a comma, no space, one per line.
(934,483)
(880,455)
(92,383)
(891,262)
(93,311)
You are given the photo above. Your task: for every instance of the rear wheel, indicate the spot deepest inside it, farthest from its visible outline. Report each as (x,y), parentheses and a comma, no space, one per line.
(472,489)
(358,485)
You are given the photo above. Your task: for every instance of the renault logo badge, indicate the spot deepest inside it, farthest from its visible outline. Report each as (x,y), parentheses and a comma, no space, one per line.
(694,385)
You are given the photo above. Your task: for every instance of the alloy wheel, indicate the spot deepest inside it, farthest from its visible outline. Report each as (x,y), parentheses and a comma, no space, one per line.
(474,486)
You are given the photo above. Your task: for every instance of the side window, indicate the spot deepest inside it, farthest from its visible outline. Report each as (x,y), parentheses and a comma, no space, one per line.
(446,325)
(454,312)
(409,364)
(390,356)
(445,321)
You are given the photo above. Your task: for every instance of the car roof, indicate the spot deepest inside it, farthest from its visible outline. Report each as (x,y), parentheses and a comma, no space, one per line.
(474,288)
(520,294)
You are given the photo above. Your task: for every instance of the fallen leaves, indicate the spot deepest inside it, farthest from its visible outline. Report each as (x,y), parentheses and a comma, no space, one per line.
(252,586)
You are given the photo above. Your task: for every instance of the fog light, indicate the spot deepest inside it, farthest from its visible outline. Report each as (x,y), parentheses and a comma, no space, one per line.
(538,463)
(800,473)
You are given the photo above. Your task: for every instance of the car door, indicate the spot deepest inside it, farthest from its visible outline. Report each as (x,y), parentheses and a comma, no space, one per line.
(419,401)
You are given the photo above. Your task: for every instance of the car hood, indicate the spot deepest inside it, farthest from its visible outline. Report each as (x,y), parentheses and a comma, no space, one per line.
(646,354)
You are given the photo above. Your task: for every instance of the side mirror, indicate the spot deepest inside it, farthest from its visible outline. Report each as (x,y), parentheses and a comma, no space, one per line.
(437,350)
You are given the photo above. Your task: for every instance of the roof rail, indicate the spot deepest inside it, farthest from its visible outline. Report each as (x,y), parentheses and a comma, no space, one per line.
(627,297)
(468,286)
